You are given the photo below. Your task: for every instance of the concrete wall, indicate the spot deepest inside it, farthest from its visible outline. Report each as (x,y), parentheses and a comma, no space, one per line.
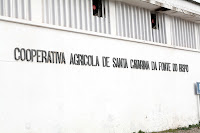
(63,98)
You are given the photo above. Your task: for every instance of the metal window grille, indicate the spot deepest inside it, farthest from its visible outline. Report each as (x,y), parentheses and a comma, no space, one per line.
(183,33)
(76,14)
(20,9)
(135,22)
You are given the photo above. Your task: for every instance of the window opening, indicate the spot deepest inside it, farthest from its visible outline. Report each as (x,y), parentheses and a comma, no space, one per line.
(97,8)
(154,21)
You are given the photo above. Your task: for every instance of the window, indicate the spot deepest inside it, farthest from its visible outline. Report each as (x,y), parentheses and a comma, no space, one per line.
(154,22)
(97,8)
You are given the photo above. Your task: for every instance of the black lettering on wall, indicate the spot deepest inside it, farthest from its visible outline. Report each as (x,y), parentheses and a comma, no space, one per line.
(17,54)
(154,66)
(44,56)
(34,53)
(175,67)
(120,63)
(91,60)
(71,59)
(105,61)
(28,55)
(23,54)
(39,53)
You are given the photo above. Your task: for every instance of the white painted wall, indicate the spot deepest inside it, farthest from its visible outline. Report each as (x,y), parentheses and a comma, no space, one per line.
(49,98)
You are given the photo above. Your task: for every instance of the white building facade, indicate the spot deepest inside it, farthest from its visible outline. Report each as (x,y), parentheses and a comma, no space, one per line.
(98,66)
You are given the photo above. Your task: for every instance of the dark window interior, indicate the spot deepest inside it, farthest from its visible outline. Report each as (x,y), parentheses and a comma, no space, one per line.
(97,8)
(154,21)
